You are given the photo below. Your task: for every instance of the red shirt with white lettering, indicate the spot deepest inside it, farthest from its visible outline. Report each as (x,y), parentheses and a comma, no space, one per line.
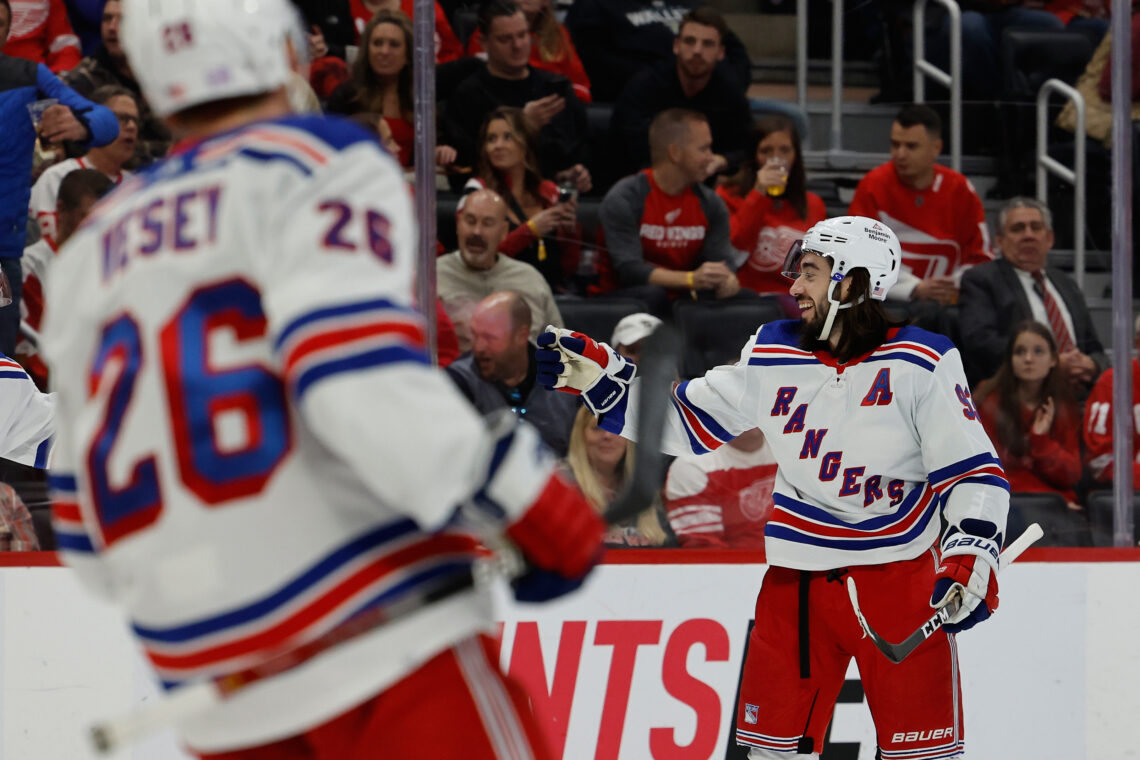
(765,228)
(1098,427)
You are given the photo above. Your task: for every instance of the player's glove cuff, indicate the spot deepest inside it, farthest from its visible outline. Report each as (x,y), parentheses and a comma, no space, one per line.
(575,363)
(967,575)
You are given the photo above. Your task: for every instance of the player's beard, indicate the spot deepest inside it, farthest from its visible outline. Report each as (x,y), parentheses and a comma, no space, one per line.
(809,329)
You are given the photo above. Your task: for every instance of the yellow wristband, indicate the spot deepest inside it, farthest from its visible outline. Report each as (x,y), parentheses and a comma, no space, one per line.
(532,227)
(689,280)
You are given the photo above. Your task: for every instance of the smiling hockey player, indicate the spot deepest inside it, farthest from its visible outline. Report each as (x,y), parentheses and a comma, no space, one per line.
(876,437)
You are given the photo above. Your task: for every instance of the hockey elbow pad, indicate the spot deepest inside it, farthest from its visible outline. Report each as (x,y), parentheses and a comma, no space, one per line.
(576,363)
(560,538)
(968,571)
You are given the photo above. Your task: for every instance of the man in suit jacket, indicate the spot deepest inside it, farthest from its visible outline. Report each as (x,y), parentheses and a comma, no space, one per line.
(999,294)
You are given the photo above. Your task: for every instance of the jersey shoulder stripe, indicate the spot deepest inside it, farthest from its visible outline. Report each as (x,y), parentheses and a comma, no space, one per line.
(347,337)
(705,434)
(777,344)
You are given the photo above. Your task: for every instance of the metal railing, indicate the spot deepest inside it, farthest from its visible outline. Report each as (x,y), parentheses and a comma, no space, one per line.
(1075,176)
(952,79)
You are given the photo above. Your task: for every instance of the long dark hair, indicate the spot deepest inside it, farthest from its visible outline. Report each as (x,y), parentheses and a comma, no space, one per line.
(1011,431)
(368,85)
(745,179)
(526,136)
(865,324)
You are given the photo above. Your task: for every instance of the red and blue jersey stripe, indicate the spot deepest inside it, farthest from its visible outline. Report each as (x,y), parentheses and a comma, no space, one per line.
(349,337)
(800,522)
(705,433)
(980,468)
(66,519)
(789,744)
(941,752)
(388,564)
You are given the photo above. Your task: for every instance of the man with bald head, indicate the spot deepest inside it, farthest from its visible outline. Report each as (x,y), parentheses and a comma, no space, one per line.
(477,269)
(667,234)
(500,370)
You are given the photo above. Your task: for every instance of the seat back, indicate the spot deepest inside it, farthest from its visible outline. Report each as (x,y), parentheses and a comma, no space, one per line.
(1031,56)
(596,317)
(1062,526)
(714,332)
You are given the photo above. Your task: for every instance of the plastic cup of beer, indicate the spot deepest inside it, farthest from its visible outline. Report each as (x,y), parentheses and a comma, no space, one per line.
(776,190)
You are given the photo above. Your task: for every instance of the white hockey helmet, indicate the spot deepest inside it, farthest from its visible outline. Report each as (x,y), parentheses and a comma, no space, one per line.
(189,52)
(851,242)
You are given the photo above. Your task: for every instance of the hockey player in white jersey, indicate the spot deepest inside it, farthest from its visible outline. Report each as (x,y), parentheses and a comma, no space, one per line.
(27,417)
(255,457)
(876,438)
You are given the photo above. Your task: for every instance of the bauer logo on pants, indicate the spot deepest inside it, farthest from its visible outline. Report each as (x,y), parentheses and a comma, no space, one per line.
(750,712)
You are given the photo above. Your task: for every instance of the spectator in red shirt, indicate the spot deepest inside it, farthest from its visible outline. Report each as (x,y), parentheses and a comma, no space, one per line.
(447,45)
(1098,424)
(40,32)
(934,210)
(1029,414)
(769,205)
(544,231)
(551,47)
(666,234)
(723,499)
(382,83)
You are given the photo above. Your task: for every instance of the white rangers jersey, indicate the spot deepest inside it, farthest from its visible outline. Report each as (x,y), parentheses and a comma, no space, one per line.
(253,446)
(27,417)
(869,452)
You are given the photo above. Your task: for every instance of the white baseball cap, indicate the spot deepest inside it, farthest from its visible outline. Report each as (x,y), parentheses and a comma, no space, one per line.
(633,328)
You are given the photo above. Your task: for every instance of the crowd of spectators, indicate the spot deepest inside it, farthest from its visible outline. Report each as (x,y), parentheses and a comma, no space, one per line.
(706,204)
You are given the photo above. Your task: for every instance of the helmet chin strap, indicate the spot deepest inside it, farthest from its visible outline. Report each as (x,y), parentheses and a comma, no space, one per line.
(829,322)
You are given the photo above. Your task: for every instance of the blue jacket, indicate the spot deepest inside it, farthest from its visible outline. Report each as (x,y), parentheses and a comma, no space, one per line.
(23,82)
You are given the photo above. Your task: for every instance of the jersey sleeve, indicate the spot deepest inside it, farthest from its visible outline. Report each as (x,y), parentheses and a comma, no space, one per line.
(963,467)
(41,205)
(1098,429)
(336,281)
(976,247)
(27,417)
(704,413)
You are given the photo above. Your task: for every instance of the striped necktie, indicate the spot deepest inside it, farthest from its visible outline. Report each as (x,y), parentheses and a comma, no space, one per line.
(1053,311)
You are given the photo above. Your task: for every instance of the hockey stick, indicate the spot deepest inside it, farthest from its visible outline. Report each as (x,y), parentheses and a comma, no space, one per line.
(896,653)
(657,370)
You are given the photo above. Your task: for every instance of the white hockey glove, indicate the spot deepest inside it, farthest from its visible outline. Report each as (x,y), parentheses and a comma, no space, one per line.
(968,573)
(575,363)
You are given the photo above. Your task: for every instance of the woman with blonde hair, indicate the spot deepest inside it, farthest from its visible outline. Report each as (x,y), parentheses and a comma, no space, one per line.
(601,464)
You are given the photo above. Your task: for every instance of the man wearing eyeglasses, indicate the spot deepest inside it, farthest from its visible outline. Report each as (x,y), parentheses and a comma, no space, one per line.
(108,159)
(500,370)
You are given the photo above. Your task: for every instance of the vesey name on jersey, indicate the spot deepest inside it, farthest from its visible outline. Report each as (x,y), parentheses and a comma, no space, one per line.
(854,479)
(176,223)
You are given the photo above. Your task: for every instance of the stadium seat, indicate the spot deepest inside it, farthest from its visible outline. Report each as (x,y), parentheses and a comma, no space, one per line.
(713,333)
(596,317)
(1101,514)
(1029,57)
(1062,526)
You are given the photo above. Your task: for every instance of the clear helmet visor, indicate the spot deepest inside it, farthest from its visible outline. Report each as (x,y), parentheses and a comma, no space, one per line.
(794,260)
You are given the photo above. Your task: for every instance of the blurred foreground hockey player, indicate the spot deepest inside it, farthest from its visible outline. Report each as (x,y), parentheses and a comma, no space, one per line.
(876,437)
(256,459)
(27,417)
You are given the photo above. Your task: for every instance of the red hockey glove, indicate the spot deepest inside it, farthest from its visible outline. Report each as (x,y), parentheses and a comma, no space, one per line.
(969,571)
(560,537)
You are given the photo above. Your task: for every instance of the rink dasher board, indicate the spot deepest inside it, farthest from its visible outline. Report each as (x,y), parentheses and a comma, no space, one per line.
(643,662)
